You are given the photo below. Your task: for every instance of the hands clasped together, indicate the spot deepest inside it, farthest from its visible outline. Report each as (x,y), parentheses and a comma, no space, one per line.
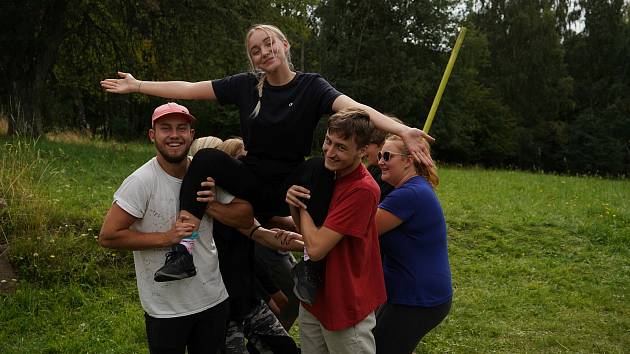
(216,210)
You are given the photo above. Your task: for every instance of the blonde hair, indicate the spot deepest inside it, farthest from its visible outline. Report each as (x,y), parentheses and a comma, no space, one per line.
(273,32)
(232,146)
(427,172)
(204,143)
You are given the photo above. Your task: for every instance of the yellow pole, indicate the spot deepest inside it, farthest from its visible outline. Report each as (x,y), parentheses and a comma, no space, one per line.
(447,74)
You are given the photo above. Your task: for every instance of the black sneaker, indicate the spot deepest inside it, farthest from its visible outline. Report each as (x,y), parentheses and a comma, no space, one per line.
(307,277)
(178,265)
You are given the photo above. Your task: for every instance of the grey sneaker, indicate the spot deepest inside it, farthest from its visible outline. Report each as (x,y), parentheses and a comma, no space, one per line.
(307,278)
(178,265)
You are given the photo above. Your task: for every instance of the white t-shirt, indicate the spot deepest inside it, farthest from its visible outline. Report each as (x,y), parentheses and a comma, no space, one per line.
(152,196)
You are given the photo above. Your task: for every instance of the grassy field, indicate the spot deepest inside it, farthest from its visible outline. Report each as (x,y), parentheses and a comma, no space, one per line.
(540,263)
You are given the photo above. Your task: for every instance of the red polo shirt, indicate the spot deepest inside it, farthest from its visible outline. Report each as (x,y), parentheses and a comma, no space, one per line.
(353,282)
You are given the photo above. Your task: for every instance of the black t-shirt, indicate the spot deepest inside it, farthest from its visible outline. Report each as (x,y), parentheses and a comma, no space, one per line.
(284,127)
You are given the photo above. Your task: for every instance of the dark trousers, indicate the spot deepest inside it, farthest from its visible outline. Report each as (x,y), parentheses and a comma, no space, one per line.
(399,328)
(202,332)
(262,182)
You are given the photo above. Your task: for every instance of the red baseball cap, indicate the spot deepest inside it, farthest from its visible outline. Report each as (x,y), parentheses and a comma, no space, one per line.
(172,108)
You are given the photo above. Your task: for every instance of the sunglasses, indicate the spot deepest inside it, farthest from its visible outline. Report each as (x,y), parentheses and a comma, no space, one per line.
(386,155)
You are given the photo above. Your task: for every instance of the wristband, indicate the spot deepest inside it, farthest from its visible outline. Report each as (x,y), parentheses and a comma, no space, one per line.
(251,233)
(139,84)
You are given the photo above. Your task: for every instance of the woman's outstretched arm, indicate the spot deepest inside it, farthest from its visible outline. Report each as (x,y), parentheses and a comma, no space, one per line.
(201,90)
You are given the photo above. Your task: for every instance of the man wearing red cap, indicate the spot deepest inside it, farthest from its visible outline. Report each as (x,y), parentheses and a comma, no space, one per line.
(189,314)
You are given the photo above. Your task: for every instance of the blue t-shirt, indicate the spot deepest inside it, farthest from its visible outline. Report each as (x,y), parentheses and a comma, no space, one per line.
(415,254)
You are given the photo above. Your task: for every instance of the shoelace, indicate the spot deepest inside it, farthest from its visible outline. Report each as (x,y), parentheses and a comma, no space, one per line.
(171,255)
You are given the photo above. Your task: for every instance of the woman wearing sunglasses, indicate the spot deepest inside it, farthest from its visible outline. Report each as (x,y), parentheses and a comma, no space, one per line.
(413,244)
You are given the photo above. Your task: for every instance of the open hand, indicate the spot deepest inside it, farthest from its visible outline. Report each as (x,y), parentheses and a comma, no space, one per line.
(416,142)
(126,84)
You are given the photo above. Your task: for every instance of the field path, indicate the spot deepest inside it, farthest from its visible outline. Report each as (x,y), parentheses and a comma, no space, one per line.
(8,276)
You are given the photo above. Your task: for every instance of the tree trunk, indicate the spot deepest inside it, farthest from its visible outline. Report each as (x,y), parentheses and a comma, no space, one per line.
(79,109)
(10,124)
(31,75)
(302,56)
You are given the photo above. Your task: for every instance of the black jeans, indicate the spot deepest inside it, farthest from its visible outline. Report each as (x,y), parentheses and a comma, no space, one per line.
(399,328)
(202,332)
(262,182)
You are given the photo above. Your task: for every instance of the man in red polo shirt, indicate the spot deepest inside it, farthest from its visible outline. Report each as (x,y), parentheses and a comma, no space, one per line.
(342,317)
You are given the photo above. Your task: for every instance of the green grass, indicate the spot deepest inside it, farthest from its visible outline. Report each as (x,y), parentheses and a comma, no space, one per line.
(540,262)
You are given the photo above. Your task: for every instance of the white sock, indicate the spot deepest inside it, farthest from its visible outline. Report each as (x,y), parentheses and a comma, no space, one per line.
(189,242)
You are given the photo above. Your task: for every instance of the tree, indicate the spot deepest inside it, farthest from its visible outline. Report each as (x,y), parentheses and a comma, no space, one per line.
(474,125)
(599,60)
(384,53)
(528,71)
(59,50)
(32,32)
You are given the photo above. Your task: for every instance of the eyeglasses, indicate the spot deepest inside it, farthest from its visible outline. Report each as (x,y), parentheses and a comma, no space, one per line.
(386,155)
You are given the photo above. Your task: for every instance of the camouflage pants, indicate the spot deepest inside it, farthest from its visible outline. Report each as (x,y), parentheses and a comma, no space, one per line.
(263,332)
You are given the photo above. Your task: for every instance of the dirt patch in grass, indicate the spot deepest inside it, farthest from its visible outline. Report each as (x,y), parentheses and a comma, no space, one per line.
(8,276)
(4,124)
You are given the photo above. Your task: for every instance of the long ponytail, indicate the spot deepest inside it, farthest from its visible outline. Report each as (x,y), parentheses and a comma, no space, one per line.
(259,90)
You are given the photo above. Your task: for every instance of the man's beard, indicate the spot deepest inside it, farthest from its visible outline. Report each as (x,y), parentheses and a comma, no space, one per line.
(172,158)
